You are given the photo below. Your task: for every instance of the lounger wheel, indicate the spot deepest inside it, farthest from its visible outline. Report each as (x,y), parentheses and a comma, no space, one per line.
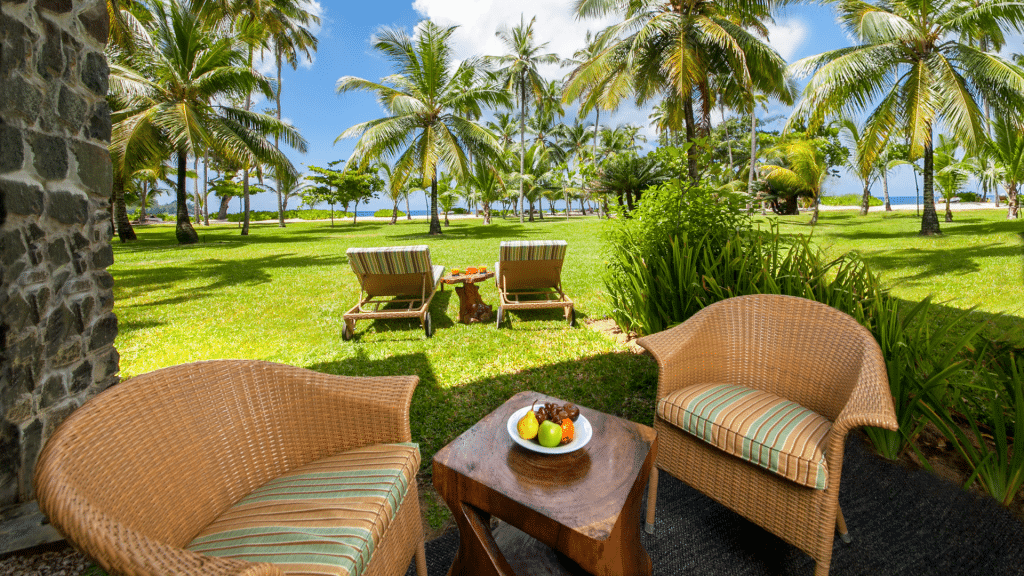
(346,332)
(499,315)
(428,329)
(571,317)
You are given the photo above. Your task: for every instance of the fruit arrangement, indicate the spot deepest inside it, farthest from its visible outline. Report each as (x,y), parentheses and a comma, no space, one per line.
(550,425)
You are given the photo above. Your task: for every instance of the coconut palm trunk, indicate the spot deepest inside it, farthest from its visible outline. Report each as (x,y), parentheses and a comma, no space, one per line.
(143,200)
(183,229)
(885,189)
(522,150)
(206,187)
(435,222)
(929,218)
(691,151)
(865,199)
(195,190)
(125,232)
(245,172)
(408,212)
(277,98)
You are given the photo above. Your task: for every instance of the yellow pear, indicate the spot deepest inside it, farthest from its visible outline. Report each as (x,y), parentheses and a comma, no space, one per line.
(528,426)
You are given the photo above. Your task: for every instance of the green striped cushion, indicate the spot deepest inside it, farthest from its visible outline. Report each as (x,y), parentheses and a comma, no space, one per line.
(759,427)
(533,250)
(390,260)
(322,518)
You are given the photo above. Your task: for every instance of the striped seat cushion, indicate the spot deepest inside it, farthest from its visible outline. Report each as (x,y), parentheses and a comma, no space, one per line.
(322,518)
(390,260)
(533,250)
(759,427)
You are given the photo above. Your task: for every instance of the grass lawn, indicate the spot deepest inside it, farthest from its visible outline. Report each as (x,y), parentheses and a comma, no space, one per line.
(279,295)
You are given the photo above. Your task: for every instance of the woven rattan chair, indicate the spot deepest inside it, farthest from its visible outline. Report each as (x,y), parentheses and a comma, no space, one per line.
(759,348)
(395,282)
(529,277)
(137,473)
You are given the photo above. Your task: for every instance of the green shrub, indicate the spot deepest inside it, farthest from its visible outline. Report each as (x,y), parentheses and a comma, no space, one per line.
(969,197)
(458,210)
(387,213)
(265,215)
(848,200)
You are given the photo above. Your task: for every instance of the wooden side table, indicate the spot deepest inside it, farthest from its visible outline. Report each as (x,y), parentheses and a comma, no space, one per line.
(584,504)
(471,306)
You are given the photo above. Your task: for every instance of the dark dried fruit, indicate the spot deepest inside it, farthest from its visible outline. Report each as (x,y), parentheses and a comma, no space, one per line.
(572,410)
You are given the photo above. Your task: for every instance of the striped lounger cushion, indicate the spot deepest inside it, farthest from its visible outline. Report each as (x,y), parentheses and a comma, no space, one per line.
(759,427)
(390,260)
(322,518)
(533,250)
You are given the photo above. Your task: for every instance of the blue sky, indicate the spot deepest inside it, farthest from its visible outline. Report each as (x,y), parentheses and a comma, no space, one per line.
(310,103)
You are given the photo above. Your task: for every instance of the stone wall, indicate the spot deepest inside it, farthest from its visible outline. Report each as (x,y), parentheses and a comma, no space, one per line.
(56,325)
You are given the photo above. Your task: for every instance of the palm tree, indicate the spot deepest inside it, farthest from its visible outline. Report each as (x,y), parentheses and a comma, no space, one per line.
(426,97)
(395,188)
(165,93)
(803,173)
(1007,147)
(671,49)
(951,173)
(290,183)
(863,159)
(517,72)
(912,71)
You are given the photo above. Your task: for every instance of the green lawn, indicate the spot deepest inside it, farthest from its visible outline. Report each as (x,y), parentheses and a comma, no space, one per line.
(279,295)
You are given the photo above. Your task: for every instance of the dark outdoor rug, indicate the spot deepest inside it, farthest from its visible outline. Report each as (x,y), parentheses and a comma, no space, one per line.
(903,522)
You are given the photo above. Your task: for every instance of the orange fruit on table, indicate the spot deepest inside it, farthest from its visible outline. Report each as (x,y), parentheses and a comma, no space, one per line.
(567,431)
(471,270)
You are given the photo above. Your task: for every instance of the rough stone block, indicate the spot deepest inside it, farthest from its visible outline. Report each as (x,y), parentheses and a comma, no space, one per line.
(95,73)
(55,6)
(10,453)
(38,299)
(103,257)
(81,377)
(72,108)
(12,247)
(67,207)
(50,60)
(58,253)
(21,411)
(12,152)
(104,331)
(19,38)
(17,312)
(94,169)
(18,96)
(96,22)
(50,156)
(105,371)
(21,198)
(53,391)
(99,123)
(59,330)
(104,280)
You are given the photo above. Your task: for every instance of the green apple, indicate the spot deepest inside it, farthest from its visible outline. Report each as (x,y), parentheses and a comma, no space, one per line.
(550,434)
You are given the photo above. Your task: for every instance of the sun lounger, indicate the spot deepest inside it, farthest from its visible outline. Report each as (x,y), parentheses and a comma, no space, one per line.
(529,277)
(395,282)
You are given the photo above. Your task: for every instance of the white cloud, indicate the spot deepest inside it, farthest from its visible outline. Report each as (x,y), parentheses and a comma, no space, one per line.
(479,20)
(787,36)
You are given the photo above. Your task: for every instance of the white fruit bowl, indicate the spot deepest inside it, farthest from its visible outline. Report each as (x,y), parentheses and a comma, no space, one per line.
(581,428)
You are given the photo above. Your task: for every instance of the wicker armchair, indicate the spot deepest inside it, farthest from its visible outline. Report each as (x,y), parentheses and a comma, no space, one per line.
(782,347)
(138,472)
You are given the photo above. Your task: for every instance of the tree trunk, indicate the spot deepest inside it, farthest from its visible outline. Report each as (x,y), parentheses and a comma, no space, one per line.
(206,187)
(277,98)
(195,190)
(408,212)
(949,213)
(435,223)
(531,212)
(183,229)
(143,200)
(929,219)
(885,189)
(597,123)
(817,203)
(394,213)
(865,200)
(583,209)
(222,214)
(691,150)
(487,212)
(245,198)
(522,149)
(728,143)
(1012,200)
(125,232)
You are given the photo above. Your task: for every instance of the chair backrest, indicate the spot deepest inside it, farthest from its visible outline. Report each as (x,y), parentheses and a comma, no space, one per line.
(392,270)
(524,264)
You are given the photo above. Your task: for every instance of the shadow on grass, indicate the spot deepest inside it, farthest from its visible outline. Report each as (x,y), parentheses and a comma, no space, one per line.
(409,328)
(220,274)
(944,260)
(619,383)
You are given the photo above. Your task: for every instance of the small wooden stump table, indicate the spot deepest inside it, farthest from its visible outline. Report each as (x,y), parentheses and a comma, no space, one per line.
(471,306)
(584,504)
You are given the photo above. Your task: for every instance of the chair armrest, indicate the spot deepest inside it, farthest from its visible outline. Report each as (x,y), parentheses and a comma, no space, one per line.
(869,404)
(670,346)
(359,411)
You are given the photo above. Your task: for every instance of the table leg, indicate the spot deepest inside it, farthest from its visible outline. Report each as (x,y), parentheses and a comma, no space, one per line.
(471,306)
(478,552)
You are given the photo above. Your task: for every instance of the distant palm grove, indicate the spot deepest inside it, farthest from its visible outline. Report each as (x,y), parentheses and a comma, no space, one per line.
(928,85)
